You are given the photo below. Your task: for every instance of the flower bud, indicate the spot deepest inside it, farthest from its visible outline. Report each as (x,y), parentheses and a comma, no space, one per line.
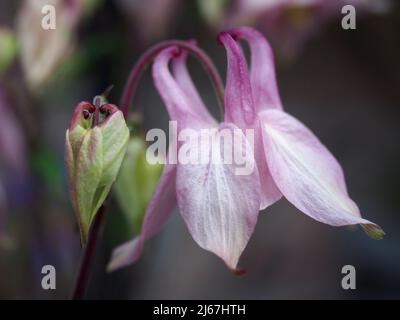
(96,142)
(136,182)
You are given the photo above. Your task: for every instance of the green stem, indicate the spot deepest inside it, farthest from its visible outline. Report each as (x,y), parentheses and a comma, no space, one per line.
(90,248)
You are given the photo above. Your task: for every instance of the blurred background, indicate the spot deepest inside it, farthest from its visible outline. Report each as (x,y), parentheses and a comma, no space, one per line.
(343,84)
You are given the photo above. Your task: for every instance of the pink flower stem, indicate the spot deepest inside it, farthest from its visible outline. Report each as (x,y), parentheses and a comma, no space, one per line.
(148,56)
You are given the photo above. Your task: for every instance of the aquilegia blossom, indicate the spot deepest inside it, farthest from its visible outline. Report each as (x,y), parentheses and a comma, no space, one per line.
(219,207)
(302,168)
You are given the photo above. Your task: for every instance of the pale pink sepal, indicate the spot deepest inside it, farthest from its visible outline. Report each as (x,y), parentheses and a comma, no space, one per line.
(306,172)
(218,204)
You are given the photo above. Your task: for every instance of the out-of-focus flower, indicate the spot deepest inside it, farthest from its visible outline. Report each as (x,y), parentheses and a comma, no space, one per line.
(43,50)
(220,208)
(136,182)
(12,142)
(8,47)
(293,161)
(290,23)
(2,206)
(248,9)
(96,142)
(12,152)
(151,19)
(212,10)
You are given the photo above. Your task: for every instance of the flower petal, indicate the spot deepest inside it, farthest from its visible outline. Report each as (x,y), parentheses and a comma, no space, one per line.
(306,172)
(270,193)
(239,105)
(159,209)
(218,204)
(262,69)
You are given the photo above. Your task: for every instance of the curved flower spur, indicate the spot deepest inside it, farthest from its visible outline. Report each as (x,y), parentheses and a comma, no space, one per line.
(298,165)
(220,208)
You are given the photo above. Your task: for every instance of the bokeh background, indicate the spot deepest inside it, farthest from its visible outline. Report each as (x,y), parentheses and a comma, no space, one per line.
(343,84)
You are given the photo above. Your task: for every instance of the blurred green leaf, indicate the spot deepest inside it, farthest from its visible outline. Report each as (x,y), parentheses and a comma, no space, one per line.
(45,164)
(136,182)
(212,10)
(8,48)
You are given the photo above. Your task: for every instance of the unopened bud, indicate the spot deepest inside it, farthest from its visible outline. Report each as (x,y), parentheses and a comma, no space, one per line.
(96,142)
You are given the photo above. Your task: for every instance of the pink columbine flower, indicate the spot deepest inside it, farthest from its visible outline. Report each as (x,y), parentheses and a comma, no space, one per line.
(298,165)
(219,207)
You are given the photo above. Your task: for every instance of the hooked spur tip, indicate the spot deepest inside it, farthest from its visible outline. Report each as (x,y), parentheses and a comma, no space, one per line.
(220,36)
(233,33)
(373,231)
(236,271)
